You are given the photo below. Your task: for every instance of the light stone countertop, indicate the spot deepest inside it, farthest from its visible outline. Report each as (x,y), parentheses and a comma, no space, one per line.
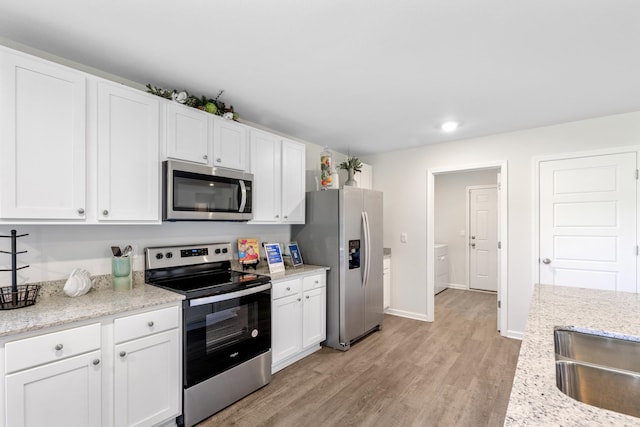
(289,273)
(535,400)
(54,308)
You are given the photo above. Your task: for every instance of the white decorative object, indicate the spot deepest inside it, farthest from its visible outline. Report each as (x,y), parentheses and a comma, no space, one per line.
(78,283)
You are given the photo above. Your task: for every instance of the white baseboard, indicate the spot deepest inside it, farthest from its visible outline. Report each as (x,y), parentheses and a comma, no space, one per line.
(457,286)
(515,335)
(407,314)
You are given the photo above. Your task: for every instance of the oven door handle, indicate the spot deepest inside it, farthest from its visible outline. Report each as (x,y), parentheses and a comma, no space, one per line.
(232,295)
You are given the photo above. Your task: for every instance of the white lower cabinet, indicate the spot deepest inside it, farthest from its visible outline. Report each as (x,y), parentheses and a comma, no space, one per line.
(298,319)
(146,380)
(82,376)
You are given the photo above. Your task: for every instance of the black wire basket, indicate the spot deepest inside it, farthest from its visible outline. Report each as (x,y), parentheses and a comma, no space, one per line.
(24,296)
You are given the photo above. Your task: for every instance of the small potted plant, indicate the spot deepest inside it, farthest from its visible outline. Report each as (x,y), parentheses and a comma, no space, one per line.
(351,165)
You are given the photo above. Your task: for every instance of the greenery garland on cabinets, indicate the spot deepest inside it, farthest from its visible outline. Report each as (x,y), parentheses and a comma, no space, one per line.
(210,105)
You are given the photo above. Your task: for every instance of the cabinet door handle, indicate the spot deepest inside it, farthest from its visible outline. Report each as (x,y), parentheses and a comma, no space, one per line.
(277,216)
(285,217)
(123,353)
(58,347)
(307,297)
(150,324)
(288,288)
(96,361)
(299,299)
(80,211)
(218,160)
(105,212)
(205,157)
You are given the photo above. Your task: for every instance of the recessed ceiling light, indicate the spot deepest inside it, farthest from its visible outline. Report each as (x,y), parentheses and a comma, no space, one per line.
(449,126)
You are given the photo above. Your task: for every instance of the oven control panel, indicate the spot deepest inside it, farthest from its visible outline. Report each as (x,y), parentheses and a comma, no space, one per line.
(176,256)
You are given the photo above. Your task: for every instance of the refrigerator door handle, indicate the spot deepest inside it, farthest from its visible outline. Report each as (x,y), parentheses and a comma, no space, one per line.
(367,253)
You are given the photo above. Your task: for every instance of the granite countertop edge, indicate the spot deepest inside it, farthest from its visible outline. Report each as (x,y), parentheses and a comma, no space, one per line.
(535,400)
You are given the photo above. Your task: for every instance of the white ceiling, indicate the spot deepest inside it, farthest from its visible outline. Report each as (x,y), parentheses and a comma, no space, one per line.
(363,76)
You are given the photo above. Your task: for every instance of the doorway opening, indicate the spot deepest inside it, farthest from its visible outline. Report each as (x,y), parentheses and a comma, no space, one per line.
(451,223)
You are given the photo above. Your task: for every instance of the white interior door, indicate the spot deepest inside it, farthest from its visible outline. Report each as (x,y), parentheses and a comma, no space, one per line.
(483,238)
(588,222)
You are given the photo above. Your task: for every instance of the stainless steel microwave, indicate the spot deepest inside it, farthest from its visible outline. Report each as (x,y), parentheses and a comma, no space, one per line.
(193,192)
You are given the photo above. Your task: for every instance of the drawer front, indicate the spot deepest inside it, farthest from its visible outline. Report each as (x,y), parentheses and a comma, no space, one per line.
(143,324)
(50,347)
(286,288)
(313,282)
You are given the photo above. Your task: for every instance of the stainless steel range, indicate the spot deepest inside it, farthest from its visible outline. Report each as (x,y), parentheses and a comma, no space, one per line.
(226,324)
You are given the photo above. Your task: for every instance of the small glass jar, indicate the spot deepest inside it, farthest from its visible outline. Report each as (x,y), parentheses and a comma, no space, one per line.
(325,168)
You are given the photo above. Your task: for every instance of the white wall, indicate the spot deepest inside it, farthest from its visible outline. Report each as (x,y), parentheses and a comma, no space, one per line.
(450,216)
(402,176)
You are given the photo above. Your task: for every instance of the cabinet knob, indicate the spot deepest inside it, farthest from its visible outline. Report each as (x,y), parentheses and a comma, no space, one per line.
(285,217)
(307,296)
(150,324)
(123,353)
(277,216)
(96,361)
(58,347)
(317,281)
(288,288)
(299,299)
(80,211)
(105,212)
(205,157)
(218,160)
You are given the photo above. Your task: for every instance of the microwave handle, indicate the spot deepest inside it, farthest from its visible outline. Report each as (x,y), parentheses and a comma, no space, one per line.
(243,196)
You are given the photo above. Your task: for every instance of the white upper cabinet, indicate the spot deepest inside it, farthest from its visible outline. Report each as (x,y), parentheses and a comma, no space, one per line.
(42,140)
(229,144)
(200,137)
(265,167)
(128,155)
(278,169)
(187,136)
(293,181)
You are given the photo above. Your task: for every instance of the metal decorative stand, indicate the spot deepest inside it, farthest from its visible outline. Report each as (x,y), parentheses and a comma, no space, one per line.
(15,296)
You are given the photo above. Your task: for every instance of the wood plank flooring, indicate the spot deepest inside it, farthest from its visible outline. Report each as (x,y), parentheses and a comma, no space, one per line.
(456,371)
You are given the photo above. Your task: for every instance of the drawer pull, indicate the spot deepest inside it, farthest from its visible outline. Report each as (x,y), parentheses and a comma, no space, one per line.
(307,297)
(317,281)
(150,324)
(288,288)
(96,361)
(299,299)
(123,353)
(58,347)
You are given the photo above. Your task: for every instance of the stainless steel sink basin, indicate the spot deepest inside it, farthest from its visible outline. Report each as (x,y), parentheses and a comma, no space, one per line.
(598,370)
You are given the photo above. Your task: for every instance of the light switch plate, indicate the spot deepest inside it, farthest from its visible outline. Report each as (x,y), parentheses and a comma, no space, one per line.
(403,238)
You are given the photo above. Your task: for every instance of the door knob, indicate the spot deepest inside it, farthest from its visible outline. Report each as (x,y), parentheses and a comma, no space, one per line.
(546,261)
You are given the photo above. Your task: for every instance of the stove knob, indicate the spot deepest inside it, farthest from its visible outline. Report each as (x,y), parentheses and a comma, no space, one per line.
(169,255)
(159,256)
(217,251)
(224,250)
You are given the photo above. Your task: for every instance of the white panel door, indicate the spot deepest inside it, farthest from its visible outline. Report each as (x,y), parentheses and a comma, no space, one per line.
(187,133)
(293,182)
(128,155)
(42,140)
(588,222)
(63,393)
(265,167)
(483,239)
(229,144)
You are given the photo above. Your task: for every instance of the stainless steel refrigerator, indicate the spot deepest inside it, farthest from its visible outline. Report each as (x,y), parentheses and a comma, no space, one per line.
(343,230)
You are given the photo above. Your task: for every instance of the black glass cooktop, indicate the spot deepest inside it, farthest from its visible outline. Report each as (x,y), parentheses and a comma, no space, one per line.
(208,284)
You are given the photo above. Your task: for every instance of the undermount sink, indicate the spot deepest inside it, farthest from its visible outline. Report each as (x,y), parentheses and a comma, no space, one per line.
(598,370)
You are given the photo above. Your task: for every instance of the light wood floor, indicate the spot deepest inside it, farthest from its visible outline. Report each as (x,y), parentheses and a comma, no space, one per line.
(456,371)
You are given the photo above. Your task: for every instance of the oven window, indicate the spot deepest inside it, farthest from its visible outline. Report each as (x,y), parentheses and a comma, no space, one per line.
(229,325)
(203,193)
